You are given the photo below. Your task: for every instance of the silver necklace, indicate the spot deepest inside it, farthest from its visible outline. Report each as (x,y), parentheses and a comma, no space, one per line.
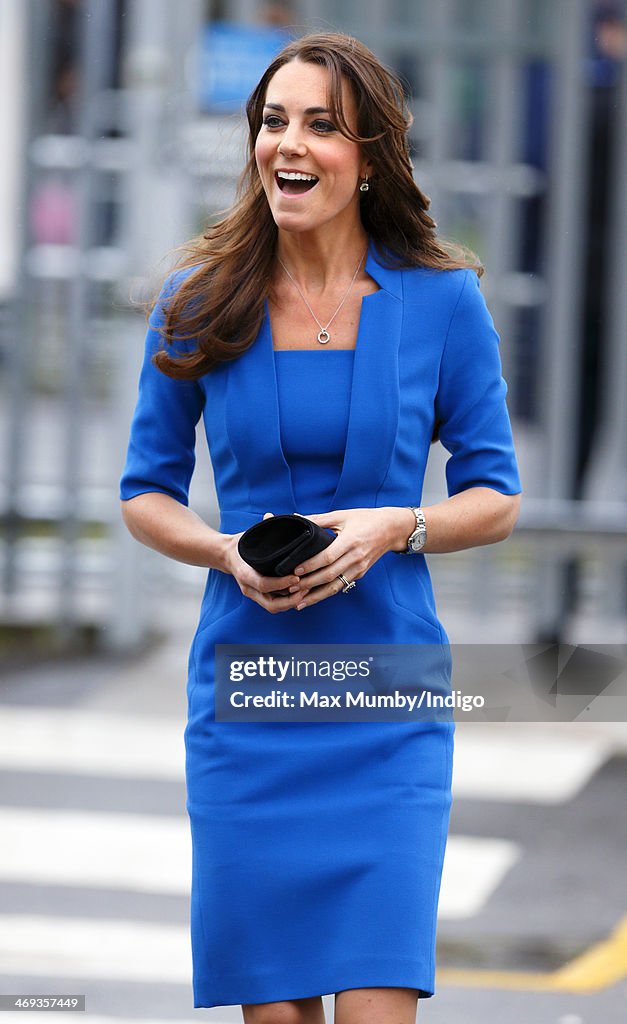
(323,334)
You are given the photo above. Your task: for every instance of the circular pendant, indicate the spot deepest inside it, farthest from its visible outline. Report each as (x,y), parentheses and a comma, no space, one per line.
(324,337)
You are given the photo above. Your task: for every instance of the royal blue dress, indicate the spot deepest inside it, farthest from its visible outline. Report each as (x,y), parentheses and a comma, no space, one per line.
(318,846)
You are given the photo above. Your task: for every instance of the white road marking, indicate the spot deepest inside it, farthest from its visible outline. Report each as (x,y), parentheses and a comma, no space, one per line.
(539,762)
(68,947)
(130,950)
(152,853)
(143,853)
(148,853)
(526,762)
(90,743)
(473,868)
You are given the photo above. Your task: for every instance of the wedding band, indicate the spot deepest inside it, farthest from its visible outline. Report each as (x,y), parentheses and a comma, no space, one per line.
(348,584)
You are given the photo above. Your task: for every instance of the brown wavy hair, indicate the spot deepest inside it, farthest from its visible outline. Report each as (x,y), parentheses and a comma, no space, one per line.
(220,303)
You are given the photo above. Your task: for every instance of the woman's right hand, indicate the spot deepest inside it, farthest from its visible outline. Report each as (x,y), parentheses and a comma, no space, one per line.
(163,523)
(274,593)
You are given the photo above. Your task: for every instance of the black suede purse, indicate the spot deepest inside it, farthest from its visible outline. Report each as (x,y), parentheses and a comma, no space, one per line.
(276,545)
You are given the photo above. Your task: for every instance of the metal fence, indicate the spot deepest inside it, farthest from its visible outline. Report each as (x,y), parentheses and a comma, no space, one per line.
(506,117)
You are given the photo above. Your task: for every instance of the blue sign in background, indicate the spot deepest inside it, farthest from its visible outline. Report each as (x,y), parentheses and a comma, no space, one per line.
(232,60)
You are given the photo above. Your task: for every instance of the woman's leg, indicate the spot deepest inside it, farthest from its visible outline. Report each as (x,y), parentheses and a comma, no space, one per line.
(288,1011)
(376,1006)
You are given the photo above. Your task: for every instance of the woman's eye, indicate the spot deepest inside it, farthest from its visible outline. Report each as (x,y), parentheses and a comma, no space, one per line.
(323,126)
(272,121)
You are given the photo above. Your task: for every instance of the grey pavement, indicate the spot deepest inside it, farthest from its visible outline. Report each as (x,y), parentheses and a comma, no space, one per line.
(566,893)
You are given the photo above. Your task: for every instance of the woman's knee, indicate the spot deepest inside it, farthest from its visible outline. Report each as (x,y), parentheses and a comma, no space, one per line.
(288,1011)
(389,1005)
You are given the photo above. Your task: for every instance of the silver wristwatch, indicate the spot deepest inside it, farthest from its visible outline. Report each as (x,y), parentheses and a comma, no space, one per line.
(418,538)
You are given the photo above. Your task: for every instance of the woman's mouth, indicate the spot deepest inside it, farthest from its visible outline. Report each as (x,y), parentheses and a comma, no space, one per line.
(295,183)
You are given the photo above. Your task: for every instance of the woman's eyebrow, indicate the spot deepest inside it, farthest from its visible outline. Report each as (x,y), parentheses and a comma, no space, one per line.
(309,110)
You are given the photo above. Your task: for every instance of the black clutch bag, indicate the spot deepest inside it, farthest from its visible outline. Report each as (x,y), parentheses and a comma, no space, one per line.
(276,545)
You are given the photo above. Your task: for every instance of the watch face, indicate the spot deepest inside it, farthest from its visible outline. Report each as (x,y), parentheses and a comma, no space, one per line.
(415,542)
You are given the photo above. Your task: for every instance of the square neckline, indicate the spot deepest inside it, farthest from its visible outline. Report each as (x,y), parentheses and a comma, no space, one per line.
(324,348)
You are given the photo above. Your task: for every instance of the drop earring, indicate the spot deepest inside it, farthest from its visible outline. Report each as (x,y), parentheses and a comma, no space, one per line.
(364,187)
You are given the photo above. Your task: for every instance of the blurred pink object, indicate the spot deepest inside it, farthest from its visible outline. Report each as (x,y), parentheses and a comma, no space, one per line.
(52,214)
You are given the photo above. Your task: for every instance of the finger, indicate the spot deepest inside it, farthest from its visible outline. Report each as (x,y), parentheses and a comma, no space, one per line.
(332,553)
(284,591)
(254,580)
(329,520)
(268,584)
(317,594)
(346,567)
(332,585)
(274,602)
(268,514)
(247,576)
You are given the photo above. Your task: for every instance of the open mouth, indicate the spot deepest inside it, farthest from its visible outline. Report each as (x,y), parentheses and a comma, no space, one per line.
(295,183)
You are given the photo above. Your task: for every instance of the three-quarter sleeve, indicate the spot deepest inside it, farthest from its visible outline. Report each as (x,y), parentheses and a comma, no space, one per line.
(470,406)
(161,447)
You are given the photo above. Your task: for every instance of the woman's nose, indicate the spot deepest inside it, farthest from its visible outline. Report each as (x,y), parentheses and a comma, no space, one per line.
(292,142)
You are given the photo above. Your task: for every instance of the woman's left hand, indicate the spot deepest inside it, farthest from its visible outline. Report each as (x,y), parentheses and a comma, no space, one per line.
(363,535)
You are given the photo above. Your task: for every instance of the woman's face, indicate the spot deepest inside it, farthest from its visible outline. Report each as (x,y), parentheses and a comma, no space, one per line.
(298,137)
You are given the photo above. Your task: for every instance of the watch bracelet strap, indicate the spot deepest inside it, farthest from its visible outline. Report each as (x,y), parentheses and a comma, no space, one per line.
(421,524)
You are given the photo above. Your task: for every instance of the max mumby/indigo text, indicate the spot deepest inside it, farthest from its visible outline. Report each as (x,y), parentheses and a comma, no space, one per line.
(359,699)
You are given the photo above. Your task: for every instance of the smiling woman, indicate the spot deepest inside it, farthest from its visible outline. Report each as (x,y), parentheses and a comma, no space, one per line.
(220,301)
(324,333)
(296,142)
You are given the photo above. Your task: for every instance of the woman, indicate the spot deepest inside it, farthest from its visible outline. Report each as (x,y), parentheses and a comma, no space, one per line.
(325,335)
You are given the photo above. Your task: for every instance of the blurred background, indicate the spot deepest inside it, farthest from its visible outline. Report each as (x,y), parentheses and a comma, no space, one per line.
(122,136)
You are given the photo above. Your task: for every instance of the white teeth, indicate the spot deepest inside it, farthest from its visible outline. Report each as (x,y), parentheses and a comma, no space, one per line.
(295,176)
